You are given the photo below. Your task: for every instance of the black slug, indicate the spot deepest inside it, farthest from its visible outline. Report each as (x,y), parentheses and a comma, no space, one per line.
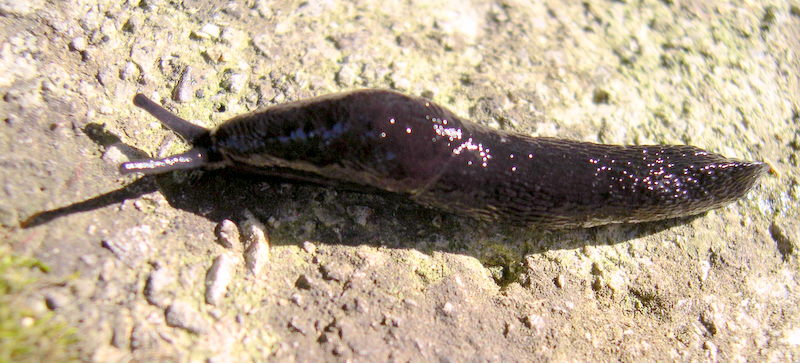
(414,147)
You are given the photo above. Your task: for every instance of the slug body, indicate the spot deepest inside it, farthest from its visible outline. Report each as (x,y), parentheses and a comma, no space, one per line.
(411,146)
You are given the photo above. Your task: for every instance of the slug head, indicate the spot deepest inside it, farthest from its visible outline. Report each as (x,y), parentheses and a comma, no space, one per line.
(196,157)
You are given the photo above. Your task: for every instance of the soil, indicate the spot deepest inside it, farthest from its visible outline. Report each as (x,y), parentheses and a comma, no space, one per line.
(217,266)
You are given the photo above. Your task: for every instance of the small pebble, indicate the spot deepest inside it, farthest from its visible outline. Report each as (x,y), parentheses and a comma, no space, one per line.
(297,299)
(217,314)
(82,288)
(712,320)
(389,320)
(114,155)
(234,82)
(55,300)
(157,290)
(712,350)
(348,75)
(78,44)
(560,281)
(90,260)
(132,246)
(327,216)
(129,71)
(144,337)
(228,235)
(132,25)
(448,308)
(121,335)
(509,329)
(535,322)
(184,91)
(304,282)
(296,325)
(219,277)
(785,241)
(335,271)
(309,247)
(256,253)
(105,77)
(182,315)
(105,110)
(208,31)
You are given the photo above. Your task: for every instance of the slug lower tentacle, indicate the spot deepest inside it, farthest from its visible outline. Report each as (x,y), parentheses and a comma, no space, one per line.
(412,146)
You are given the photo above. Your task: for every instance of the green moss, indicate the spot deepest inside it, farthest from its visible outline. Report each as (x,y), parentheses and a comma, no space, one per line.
(432,270)
(27,335)
(504,262)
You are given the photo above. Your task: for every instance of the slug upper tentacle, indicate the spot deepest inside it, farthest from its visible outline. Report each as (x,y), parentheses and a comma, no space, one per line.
(412,146)
(183,128)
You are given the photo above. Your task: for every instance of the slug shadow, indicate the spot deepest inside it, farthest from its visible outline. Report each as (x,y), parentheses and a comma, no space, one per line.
(136,189)
(295,212)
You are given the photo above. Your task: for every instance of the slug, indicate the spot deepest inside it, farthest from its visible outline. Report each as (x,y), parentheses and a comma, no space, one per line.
(414,147)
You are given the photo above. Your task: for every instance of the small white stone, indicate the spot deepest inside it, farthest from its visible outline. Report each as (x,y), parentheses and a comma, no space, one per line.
(105,110)
(235,82)
(78,43)
(448,308)
(157,289)
(219,277)
(114,155)
(209,31)
(129,72)
(132,246)
(228,235)
(184,90)
(182,315)
(535,322)
(791,337)
(256,253)
(309,247)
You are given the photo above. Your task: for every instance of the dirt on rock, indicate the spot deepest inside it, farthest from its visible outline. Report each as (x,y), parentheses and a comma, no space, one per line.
(217,266)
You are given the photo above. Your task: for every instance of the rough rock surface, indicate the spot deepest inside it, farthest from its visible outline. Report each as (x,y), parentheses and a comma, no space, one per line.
(374,278)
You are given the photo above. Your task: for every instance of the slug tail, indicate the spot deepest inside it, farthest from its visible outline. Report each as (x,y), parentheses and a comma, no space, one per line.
(192,159)
(738,179)
(188,131)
